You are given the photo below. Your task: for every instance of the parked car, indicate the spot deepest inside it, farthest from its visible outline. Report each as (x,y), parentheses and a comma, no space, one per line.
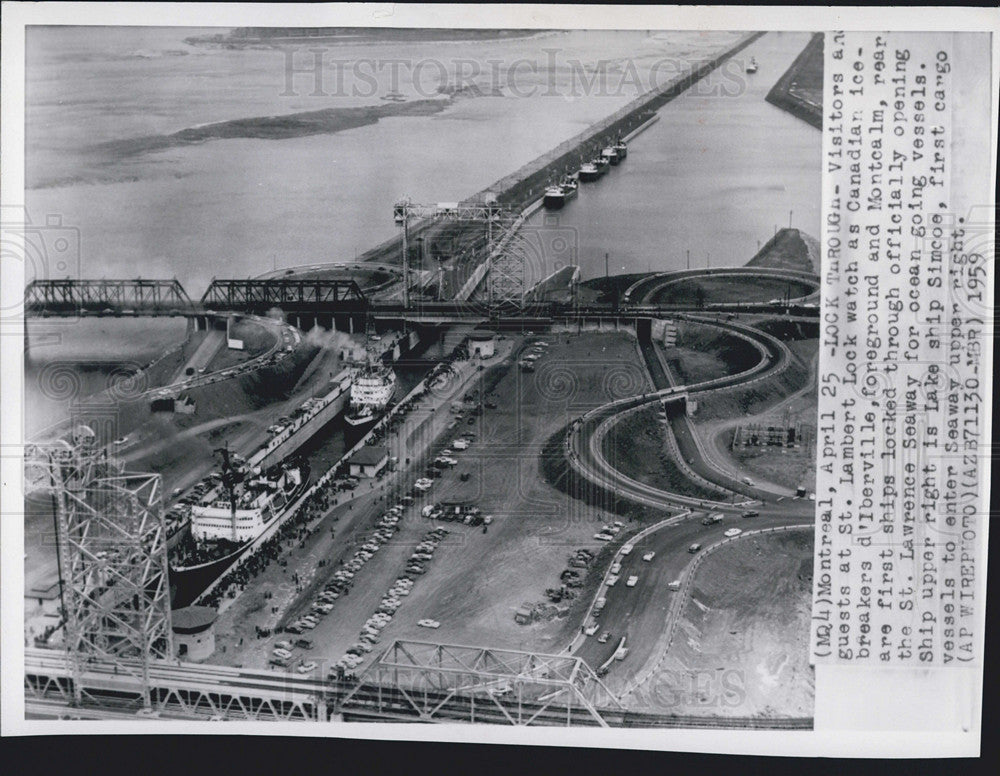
(613,580)
(649,556)
(733,532)
(428,623)
(603,638)
(694,548)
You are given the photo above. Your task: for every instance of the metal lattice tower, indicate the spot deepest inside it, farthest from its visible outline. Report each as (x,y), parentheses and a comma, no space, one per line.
(446,682)
(490,212)
(111,542)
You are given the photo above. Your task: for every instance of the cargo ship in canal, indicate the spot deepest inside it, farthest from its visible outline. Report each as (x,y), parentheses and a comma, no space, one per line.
(558,195)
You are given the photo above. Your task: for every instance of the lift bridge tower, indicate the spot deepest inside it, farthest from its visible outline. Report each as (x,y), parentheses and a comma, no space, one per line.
(112,554)
(505,268)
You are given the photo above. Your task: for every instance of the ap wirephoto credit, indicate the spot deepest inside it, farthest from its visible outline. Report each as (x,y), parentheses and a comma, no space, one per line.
(454,369)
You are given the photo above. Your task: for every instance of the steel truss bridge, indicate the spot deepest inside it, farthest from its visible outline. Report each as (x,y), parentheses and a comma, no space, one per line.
(410,682)
(329,302)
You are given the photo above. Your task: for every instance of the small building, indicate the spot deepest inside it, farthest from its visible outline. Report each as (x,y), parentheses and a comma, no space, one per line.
(184,404)
(482,344)
(194,632)
(369,461)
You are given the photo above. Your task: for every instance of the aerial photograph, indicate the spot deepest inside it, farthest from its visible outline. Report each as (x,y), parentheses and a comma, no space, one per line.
(417,375)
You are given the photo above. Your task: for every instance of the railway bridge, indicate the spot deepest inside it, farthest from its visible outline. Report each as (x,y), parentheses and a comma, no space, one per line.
(343,305)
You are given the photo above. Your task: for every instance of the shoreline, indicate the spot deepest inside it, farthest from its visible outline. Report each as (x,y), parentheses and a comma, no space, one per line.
(786,93)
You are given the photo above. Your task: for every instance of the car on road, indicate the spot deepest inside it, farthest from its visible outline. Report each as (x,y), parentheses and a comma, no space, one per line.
(428,623)
(733,532)
(751,513)
(626,549)
(675,585)
(649,556)
(603,638)
(631,581)
(694,548)
(603,537)
(713,519)
(748,481)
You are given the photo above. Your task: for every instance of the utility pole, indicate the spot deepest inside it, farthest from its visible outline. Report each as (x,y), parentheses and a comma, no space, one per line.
(789,219)
(406,260)
(689,258)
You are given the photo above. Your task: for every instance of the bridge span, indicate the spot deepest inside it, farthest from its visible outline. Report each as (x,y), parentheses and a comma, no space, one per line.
(342,304)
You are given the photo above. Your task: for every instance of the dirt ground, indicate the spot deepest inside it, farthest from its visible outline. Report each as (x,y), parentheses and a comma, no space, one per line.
(789,468)
(742,646)
(709,290)
(637,447)
(476,579)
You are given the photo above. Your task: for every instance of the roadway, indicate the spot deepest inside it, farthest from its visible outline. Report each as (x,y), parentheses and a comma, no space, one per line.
(641,613)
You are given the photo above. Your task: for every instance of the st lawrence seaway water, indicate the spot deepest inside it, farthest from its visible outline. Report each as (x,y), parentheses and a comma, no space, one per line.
(163,159)
(121,130)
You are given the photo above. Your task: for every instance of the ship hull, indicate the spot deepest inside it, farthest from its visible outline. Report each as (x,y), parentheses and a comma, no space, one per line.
(189,582)
(588,176)
(554,202)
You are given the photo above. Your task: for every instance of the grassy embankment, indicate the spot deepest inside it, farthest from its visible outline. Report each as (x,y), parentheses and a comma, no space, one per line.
(749,612)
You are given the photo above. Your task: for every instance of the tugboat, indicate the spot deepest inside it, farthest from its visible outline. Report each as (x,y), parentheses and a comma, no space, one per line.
(371,390)
(610,153)
(602,163)
(751,65)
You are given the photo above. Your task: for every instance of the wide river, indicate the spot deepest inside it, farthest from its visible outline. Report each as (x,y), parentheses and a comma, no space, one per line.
(718,172)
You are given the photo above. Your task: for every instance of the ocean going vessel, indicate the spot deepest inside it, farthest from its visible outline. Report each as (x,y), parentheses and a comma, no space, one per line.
(372,388)
(558,195)
(589,172)
(230,516)
(622,148)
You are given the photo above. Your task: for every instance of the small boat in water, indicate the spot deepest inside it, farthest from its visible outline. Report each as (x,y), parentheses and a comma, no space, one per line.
(751,65)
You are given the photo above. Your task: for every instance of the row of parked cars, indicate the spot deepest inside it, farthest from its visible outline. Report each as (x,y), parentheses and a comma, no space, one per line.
(391,601)
(343,578)
(532,354)
(609,532)
(465,514)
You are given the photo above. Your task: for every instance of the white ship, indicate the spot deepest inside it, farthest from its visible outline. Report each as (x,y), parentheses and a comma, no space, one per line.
(256,498)
(371,391)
